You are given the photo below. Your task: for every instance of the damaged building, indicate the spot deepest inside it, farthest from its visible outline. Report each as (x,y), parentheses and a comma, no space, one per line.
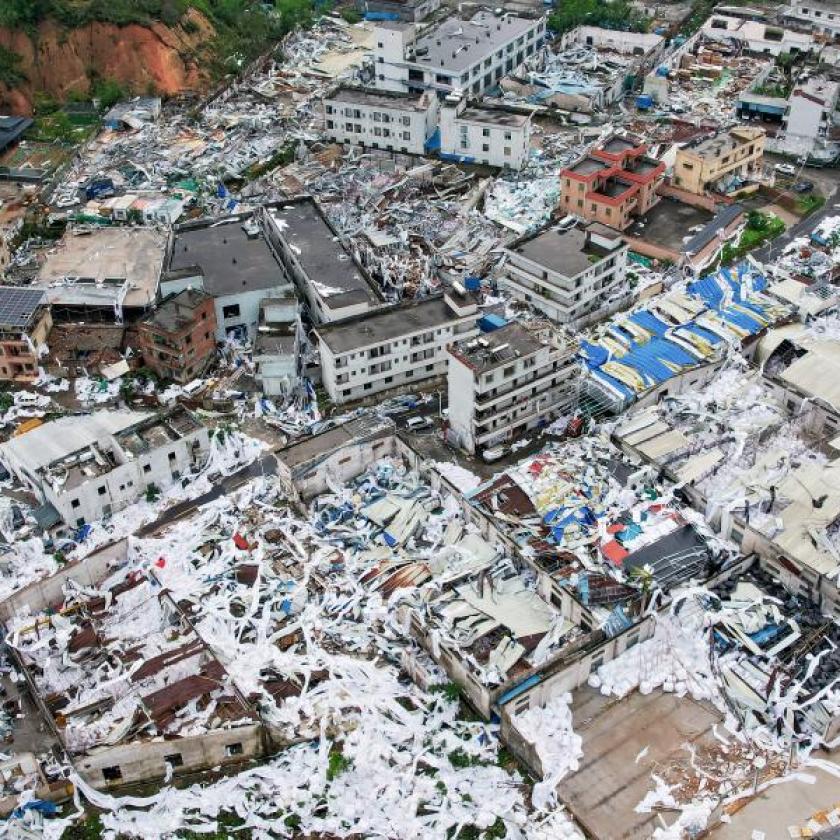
(83,468)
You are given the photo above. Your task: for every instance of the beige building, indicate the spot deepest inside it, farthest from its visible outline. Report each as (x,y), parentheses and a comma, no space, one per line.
(707,165)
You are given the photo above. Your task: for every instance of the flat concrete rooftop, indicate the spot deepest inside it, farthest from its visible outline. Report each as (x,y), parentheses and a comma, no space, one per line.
(332,273)
(484,115)
(588,165)
(385,325)
(379,98)
(457,44)
(100,262)
(566,252)
(227,257)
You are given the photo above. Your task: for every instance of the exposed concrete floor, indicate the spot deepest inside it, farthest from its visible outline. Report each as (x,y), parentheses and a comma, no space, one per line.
(668,223)
(603,794)
(30,732)
(790,803)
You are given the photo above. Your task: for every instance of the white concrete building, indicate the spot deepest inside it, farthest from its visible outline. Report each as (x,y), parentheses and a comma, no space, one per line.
(509,381)
(379,119)
(479,135)
(757,36)
(810,125)
(276,354)
(575,276)
(821,16)
(231,260)
(395,347)
(84,468)
(468,55)
(328,278)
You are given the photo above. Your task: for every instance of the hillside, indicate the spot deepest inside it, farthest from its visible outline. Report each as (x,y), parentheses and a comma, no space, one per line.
(64,48)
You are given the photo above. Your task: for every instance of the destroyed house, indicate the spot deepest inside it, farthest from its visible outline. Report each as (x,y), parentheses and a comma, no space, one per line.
(25,323)
(232,261)
(575,276)
(106,275)
(613,184)
(397,346)
(591,560)
(677,340)
(381,119)
(467,55)
(178,341)
(746,460)
(329,279)
(129,687)
(84,468)
(508,381)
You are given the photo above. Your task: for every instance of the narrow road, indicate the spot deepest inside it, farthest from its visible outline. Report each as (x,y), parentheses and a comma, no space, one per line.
(264,465)
(768,252)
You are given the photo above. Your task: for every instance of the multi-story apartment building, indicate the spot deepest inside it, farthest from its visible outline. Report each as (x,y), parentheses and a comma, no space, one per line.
(809,122)
(84,468)
(381,119)
(396,347)
(701,166)
(329,279)
(509,381)
(822,16)
(178,341)
(25,323)
(479,135)
(576,276)
(613,184)
(465,55)
(276,353)
(232,261)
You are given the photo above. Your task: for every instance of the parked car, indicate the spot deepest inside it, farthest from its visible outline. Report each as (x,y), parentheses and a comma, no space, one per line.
(415,424)
(785,169)
(803,186)
(494,453)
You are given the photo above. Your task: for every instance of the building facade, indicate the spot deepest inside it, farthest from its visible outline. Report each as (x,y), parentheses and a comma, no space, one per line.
(510,381)
(613,184)
(707,165)
(178,341)
(821,17)
(458,55)
(396,347)
(376,119)
(574,276)
(25,323)
(479,135)
(276,353)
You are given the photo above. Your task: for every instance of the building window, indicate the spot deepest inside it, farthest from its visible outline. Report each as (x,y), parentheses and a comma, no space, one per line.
(175,759)
(111,774)
(147,468)
(485,147)
(507,151)
(74,504)
(101,490)
(485,132)
(234,749)
(230,311)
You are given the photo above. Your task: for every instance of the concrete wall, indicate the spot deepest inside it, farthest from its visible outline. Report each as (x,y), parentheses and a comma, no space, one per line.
(145,760)
(88,571)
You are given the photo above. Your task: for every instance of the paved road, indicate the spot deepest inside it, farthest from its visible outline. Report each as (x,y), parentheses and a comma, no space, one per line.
(802,228)
(265,465)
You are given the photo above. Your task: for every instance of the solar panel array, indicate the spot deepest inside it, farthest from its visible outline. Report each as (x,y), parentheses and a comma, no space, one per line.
(17,305)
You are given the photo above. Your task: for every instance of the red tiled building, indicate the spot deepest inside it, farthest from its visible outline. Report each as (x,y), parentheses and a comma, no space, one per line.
(178,340)
(613,184)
